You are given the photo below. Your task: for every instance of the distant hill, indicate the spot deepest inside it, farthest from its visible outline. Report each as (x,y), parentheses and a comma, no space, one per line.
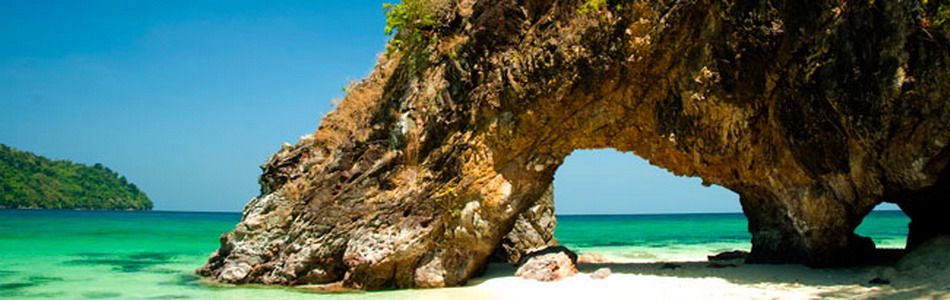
(31,181)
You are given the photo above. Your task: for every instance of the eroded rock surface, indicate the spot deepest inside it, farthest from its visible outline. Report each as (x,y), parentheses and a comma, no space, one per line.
(813,111)
(533,231)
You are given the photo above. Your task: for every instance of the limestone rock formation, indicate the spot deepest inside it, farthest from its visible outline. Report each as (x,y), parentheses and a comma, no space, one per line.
(533,231)
(812,111)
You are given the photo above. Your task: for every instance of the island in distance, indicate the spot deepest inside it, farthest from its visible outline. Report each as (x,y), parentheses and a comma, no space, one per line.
(30,181)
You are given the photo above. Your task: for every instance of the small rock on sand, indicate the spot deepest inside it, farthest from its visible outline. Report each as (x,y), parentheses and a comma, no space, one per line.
(600,273)
(549,264)
(729,255)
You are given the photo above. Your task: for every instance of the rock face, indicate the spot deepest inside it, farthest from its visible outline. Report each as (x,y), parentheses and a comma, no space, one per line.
(812,111)
(533,231)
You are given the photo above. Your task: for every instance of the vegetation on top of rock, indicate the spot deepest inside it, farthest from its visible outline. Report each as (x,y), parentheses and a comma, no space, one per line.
(31,181)
(590,6)
(406,22)
(937,16)
(414,26)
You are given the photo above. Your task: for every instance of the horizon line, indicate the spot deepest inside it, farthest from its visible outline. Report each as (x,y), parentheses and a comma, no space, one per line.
(556,214)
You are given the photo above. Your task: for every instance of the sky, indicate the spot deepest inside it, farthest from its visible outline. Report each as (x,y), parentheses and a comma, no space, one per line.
(606,181)
(187,98)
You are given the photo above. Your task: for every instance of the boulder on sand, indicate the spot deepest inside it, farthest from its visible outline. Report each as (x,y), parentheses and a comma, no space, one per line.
(550,264)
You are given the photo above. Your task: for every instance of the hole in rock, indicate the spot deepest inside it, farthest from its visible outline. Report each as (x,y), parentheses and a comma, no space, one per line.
(621,207)
(886,225)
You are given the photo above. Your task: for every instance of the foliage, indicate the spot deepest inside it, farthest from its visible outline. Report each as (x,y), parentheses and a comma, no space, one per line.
(590,6)
(397,16)
(939,11)
(942,15)
(407,22)
(31,181)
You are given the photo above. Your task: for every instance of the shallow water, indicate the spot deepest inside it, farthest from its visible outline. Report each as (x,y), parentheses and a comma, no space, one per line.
(691,236)
(152,255)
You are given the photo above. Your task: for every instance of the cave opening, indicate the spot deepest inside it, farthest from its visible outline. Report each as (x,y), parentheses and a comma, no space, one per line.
(621,207)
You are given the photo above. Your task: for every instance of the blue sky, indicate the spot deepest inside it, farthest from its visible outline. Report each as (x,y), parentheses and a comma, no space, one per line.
(187,98)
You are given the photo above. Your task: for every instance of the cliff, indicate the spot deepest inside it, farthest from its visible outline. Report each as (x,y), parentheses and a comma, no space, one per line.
(31,181)
(812,111)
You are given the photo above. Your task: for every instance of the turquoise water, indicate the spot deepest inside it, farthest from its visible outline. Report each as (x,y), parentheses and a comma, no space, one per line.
(690,236)
(152,255)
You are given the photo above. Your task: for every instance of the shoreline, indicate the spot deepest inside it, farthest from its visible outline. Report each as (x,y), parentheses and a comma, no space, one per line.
(720,280)
(699,278)
(694,279)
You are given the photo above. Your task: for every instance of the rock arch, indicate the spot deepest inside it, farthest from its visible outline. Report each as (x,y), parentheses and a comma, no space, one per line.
(813,112)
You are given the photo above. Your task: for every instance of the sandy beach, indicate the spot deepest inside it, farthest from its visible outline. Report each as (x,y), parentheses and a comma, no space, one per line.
(923,274)
(926,277)
(696,280)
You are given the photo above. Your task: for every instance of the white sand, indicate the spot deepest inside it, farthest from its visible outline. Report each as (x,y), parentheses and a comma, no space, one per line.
(694,280)
(923,274)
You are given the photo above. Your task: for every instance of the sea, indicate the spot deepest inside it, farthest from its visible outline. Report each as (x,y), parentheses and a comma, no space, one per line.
(152,255)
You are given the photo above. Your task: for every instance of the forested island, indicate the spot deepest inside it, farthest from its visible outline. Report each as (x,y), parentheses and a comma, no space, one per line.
(30,181)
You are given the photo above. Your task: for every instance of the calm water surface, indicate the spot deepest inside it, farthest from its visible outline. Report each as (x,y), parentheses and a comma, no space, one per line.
(152,255)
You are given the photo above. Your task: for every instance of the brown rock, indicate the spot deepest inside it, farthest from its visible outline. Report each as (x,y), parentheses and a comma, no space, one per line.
(813,112)
(550,264)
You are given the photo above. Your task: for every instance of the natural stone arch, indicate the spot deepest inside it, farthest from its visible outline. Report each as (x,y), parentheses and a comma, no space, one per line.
(813,112)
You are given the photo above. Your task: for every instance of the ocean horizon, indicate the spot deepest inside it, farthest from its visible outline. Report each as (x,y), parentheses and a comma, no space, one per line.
(556,214)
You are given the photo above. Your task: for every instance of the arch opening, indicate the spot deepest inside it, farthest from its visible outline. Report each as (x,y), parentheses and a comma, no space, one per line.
(624,209)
